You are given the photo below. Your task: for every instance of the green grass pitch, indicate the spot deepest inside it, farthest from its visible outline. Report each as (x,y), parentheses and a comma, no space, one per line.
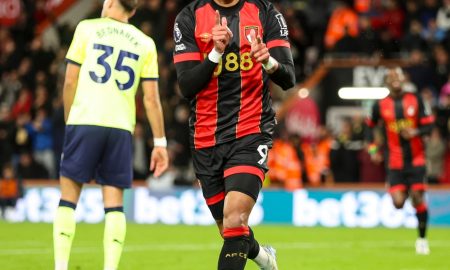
(161,247)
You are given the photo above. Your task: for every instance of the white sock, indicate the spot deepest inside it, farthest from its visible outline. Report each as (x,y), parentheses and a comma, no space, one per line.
(61,265)
(262,259)
(108,268)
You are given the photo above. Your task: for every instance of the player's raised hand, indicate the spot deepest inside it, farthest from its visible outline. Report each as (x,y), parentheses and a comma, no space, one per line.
(159,161)
(258,50)
(221,34)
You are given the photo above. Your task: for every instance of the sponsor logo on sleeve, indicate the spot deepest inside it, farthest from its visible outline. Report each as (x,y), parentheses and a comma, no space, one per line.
(180,47)
(283,25)
(177,33)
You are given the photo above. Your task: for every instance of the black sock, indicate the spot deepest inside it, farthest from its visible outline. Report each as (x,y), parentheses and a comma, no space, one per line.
(253,250)
(422,218)
(234,253)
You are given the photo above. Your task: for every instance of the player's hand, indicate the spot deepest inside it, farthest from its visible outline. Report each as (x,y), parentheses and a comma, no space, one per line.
(409,133)
(376,158)
(159,161)
(258,50)
(221,34)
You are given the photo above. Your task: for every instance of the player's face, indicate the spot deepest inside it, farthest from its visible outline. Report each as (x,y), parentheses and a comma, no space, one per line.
(394,80)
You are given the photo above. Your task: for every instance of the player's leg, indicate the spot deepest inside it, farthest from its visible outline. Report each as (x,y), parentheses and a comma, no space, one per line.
(64,224)
(208,169)
(242,191)
(80,156)
(237,208)
(254,248)
(115,226)
(418,201)
(244,173)
(398,188)
(115,173)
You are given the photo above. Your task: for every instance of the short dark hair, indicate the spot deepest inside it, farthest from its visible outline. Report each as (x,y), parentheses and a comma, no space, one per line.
(129,5)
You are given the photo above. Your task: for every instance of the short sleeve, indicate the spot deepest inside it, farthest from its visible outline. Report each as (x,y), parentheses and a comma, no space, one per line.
(150,68)
(186,48)
(276,29)
(77,50)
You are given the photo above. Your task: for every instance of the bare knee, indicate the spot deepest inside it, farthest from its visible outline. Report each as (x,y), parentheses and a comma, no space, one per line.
(235,218)
(398,199)
(237,208)
(399,204)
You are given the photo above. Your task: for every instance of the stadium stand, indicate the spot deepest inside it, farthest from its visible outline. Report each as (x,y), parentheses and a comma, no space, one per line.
(325,35)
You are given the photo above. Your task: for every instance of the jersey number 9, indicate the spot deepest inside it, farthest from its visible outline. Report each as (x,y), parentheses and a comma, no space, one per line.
(120,66)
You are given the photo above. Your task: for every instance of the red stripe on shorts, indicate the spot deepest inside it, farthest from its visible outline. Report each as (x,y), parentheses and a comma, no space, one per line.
(418,186)
(244,169)
(216,198)
(399,187)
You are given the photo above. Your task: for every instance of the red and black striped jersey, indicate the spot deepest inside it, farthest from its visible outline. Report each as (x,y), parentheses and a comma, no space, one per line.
(236,101)
(397,114)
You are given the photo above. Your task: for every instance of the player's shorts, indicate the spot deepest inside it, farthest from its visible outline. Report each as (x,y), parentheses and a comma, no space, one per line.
(246,155)
(98,152)
(407,179)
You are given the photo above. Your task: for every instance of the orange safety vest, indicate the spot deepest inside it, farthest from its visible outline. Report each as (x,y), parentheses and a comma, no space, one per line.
(284,165)
(341,19)
(9,189)
(317,160)
(362,6)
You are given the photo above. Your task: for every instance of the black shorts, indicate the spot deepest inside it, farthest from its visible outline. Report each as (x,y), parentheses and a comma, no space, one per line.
(412,178)
(245,155)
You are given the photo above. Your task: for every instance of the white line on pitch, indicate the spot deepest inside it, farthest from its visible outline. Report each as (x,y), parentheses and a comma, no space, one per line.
(214,246)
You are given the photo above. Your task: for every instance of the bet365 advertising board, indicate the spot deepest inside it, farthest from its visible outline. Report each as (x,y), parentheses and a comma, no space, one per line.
(327,208)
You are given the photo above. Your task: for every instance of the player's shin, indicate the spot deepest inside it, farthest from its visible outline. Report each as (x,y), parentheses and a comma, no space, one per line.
(256,253)
(63,233)
(235,249)
(114,237)
(422,218)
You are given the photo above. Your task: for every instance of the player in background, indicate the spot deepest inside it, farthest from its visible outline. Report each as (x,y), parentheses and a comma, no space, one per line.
(107,60)
(405,120)
(225,53)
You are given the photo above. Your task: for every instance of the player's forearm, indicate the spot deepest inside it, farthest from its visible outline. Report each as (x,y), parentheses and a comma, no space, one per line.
(154,113)
(425,130)
(68,97)
(193,76)
(284,75)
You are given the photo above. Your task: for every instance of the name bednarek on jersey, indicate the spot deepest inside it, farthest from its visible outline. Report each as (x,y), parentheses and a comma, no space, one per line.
(113,58)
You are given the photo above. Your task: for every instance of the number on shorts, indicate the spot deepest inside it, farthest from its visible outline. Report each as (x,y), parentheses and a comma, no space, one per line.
(263,150)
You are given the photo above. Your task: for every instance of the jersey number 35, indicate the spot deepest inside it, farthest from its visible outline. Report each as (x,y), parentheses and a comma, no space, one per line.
(108,51)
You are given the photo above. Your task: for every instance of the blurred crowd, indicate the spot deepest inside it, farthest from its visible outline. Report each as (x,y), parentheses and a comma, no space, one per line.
(32,74)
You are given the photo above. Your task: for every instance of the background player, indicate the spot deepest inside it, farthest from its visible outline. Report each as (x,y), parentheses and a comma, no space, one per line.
(106,60)
(224,65)
(405,121)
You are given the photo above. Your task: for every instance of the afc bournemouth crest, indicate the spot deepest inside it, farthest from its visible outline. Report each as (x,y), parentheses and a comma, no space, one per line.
(247,30)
